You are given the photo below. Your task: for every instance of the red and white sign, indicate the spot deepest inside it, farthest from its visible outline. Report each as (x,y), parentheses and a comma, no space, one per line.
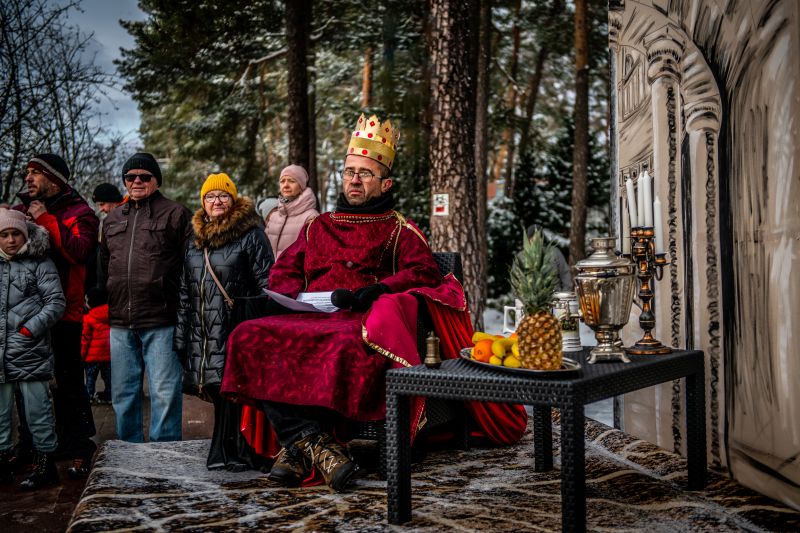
(441,205)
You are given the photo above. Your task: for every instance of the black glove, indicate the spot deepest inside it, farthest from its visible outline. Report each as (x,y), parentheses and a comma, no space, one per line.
(342,298)
(364,297)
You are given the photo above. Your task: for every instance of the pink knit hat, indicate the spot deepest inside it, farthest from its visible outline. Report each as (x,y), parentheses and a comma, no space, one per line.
(13,219)
(298,173)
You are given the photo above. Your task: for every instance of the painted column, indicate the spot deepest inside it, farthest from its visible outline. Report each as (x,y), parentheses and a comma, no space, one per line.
(614,27)
(702,126)
(655,414)
(618,218)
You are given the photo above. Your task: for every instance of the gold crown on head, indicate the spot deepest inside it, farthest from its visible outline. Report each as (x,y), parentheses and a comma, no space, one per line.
(374,140)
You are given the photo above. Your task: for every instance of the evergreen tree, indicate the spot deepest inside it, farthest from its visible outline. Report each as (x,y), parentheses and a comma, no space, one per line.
(504,239)
(544,184)
(198,110)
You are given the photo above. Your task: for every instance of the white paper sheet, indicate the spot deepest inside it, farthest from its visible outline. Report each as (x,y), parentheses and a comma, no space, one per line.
(315,302)
(320,300)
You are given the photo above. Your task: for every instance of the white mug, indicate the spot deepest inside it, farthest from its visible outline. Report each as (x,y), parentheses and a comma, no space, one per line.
(507,321)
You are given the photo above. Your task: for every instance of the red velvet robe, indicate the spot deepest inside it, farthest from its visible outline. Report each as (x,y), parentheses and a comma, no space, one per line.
(339,360)
(320,359)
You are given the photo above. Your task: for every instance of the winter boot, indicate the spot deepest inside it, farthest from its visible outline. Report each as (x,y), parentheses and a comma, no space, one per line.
(21,458)
(80,468)
(6,475)
(330,458)
(44,472)
(290,468)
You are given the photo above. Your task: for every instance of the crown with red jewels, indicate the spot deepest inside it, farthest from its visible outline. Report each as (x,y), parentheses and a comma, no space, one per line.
(374,140)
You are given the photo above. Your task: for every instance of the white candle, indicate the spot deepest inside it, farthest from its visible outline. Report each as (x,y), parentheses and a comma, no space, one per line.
(631,203)
(626,244)
(640,200)
(647,184)
(659,227)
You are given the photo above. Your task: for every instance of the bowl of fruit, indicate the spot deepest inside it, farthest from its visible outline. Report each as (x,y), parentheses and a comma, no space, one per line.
(502,353)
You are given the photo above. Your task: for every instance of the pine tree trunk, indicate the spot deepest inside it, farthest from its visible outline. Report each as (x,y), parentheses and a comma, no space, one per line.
(388,92)
(577,233)
(530,106)
(482,124)
(313,179)
(298,27)
(453,53)
(366,79)
(507,142)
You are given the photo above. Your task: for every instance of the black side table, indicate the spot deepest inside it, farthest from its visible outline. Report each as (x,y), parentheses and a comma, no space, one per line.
(463,380)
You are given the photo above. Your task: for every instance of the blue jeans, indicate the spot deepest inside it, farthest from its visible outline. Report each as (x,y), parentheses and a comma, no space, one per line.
(38,409)
(132,352)
(92,370)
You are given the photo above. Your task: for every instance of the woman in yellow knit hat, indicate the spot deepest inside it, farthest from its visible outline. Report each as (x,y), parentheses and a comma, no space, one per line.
(229,245)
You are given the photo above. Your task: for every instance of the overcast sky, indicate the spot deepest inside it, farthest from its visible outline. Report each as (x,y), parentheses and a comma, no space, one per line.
(101,17)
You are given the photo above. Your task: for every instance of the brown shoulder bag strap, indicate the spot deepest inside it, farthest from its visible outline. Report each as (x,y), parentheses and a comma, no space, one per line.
(228,299)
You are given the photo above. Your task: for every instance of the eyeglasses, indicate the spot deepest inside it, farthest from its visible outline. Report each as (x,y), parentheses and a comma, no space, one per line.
(145,178)
(363,175)
(211,198)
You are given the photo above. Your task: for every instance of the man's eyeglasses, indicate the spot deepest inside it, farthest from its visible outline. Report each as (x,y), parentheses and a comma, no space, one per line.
(363,175)
(145,178)
(211,198)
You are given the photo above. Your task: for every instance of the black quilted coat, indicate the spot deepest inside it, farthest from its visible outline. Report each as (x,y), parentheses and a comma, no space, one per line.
(241,257)
(30,297)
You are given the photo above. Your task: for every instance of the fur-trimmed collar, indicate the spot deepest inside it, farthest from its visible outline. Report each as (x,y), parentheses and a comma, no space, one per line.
(38,241)
(220,231)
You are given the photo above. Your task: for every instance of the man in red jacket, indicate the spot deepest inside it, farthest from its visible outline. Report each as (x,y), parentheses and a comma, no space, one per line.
(72,225)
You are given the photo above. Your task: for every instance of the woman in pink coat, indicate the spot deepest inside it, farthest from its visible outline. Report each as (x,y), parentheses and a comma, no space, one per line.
(296,205)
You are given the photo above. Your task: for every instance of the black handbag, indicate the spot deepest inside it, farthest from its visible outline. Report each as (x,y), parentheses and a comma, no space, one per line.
(248,308)
(240,308)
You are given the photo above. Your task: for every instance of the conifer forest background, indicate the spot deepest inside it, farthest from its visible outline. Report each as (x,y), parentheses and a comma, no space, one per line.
(502,104)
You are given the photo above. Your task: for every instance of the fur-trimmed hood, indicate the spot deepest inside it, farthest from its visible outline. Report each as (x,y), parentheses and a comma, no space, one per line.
(220,231)
(38,242)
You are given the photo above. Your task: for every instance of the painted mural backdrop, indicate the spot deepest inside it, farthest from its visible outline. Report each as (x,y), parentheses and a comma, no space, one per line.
(707,101)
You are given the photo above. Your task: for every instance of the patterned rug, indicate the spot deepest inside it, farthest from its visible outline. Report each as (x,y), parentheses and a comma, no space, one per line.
(631,485)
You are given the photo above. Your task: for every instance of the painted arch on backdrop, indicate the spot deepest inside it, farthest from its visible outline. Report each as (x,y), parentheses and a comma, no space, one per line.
(707,99)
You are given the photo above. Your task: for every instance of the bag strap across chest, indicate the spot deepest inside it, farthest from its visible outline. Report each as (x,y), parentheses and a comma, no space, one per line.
(210,270)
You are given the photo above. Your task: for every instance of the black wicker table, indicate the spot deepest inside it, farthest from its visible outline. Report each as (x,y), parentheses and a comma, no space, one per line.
(463,380)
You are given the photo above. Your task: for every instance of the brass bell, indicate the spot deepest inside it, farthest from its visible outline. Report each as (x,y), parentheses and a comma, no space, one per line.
(432,357)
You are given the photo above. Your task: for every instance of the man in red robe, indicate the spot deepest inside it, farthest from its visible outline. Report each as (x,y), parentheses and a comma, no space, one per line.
(306,370)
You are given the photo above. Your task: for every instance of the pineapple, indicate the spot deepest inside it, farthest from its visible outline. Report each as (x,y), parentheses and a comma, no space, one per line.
(533,280)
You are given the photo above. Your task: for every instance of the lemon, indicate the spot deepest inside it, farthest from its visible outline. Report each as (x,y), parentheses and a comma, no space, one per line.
(511,362)
(499,347)
(494,360)
(515,349)
(481,336)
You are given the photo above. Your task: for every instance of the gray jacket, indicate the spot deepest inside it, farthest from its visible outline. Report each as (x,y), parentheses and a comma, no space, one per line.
(30,297)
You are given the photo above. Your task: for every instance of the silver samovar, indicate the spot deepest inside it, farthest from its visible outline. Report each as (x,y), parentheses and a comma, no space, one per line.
(605,285)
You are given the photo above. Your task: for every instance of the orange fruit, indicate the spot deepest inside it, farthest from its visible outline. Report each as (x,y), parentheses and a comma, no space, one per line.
(482,351)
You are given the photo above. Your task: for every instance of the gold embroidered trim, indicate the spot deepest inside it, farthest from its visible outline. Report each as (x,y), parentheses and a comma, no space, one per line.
(386,247)
(308,229)
(416,232)
(382,351)
(360,219)
(463,297)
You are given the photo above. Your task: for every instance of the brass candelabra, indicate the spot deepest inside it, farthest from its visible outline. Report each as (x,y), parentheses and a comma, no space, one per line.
(649,264)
